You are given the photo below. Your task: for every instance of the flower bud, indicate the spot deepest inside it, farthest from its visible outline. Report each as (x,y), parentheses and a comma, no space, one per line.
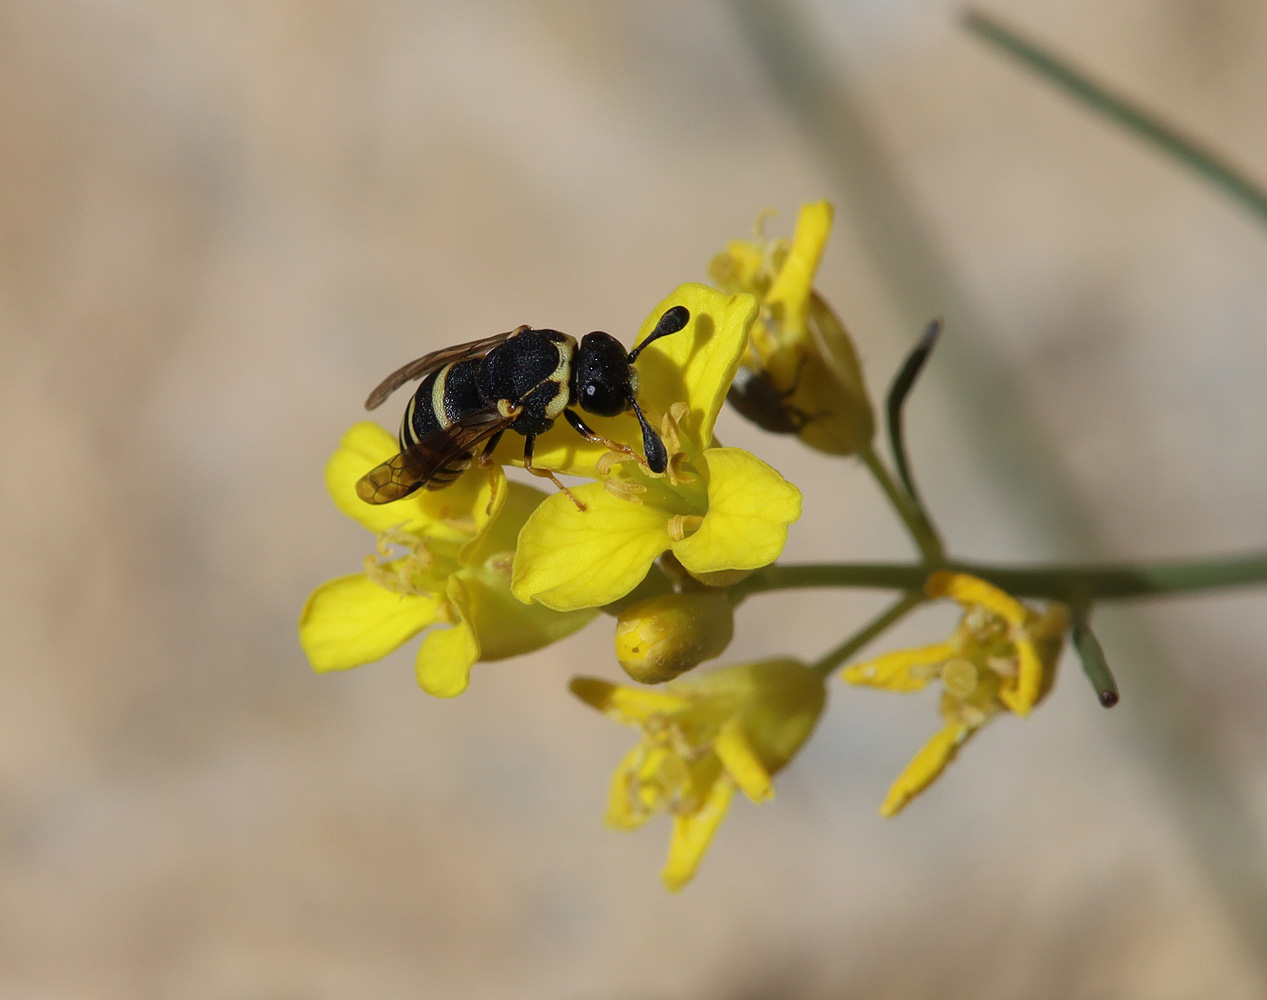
(663,637)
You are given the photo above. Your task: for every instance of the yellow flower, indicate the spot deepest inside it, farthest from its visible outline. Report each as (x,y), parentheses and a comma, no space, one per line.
(1002,657)
(701,739)
(444,558)
(798,341)
(718,509)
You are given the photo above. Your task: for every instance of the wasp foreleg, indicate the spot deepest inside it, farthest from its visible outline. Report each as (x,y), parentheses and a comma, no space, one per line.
(591,435)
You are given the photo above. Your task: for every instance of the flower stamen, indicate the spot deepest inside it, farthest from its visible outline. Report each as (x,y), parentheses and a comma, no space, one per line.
(671,435)
(400,573)
(682,525)
(624,490)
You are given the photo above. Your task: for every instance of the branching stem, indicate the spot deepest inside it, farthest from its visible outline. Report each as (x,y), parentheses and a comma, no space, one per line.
(1073,583)
(871,630)
(921,529)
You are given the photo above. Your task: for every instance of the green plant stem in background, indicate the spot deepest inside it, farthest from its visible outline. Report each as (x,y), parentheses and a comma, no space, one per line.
(1170,141)
(880,623)
(912,515)
(1074,584)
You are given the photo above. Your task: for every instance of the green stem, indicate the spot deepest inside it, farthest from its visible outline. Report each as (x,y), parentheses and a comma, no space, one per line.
(1147,126)
(912,515)
(855,642)
(1074,584)
(1094,664)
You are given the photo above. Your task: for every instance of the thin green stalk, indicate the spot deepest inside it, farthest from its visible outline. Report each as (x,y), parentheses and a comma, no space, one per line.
(922,531)
(1074,584)
(1191,153)
(855,642)
(903,382)
(1094,663)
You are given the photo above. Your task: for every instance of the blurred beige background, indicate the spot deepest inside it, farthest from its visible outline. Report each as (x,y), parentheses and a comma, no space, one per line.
(221,224)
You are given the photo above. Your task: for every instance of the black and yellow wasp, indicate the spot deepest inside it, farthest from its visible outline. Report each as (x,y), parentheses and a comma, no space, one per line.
(522,381)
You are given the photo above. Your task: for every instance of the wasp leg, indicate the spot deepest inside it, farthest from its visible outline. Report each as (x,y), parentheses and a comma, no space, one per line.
(800,416)
(485,461)
(529,442)
(591,435)
(796,378)
(486,456)
(801,419)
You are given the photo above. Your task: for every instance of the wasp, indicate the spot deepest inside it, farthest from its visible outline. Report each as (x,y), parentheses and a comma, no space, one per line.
(521,381)
(757,397)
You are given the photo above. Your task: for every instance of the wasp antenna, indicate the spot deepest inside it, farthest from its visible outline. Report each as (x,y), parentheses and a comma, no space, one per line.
(652,447)
(672,321)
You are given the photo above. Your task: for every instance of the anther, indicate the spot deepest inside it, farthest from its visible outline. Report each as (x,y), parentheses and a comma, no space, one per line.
(682,525)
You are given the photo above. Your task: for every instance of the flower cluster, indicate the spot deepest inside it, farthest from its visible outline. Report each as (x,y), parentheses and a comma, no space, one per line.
(441,558)
(486,568)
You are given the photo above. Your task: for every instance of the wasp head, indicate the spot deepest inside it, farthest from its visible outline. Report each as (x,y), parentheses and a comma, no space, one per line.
(605,382)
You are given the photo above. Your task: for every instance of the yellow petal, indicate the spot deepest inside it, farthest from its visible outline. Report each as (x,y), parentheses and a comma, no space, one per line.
(500,512)
(738,268)
(749,509)
(697,365)
(622,812)
(741,763)
(926,766)
(692,833)
(505,626)
(1022,697)
(569,558)
(789,296)
(364,446)
(899,670)
(445,659)
(627,705)
(447,514)
(969,591)
(352,620)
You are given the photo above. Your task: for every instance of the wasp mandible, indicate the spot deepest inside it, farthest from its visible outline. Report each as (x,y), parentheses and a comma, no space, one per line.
(522,381)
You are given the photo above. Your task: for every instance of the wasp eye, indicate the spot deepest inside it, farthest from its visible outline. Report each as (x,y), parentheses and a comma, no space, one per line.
(602,398)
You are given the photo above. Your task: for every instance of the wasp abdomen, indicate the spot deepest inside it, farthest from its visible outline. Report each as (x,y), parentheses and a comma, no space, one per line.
(443,398)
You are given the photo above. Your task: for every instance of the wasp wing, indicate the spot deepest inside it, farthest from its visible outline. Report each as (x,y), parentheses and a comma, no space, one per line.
(435,461)
(428,363)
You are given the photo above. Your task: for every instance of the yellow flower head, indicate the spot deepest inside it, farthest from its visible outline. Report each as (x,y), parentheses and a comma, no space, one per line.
(701,739)
(798,341)
(443,558)
(718,509)
(1002,657)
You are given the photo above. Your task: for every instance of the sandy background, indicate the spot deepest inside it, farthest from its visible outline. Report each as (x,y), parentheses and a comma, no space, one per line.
(222,223)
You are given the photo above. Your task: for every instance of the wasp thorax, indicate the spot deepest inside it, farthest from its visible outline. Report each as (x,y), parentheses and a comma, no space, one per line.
(602,375)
